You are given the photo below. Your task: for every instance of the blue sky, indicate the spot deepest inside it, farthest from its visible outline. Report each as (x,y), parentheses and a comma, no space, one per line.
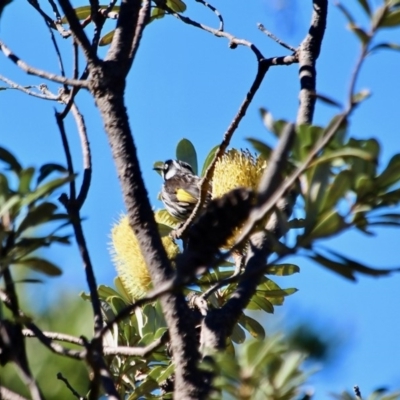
(188,83)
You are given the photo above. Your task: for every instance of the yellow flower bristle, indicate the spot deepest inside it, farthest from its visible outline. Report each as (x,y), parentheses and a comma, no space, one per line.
(128,259)
(236,169)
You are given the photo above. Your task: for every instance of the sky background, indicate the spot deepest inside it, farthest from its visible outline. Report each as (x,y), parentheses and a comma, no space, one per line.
(187,83)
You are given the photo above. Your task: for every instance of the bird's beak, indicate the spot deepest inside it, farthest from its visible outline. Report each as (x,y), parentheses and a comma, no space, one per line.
(158,168)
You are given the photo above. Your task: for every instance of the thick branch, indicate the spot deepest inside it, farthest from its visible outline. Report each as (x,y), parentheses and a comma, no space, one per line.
(308,53)
(189,382)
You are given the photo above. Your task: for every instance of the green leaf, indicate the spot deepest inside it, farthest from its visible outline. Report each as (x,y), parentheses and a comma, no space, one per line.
(361,96)
(261,147)
(340,186)
(46,169)
(330,223)
(185,151)
(252,326)
(343,153)
(273,126)
(157,13)
(107,38)
(145,388)
(391,19)
(391,174)
(345,12)
(282,269)
(121,290)
(365,5)
(81,13)
(209,158)
(260,303)
(177,5)
(41,265)
(360,33)
(9,204)
(166,374)
(117,304)
(46,189)
(25,179)
(379,16)
(38,215)
(9,159)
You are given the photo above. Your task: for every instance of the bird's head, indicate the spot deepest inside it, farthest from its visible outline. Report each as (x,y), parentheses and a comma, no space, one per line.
(173,167)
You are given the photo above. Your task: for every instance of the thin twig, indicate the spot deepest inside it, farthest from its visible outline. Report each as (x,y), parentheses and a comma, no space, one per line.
(67,152)
(86,156)
(37,72)
(143,19)
(25,89)
(216,12)
(108,350)
(78,32)
(274,38)
(233,41)
(261,71)
(70,388)
(39,334)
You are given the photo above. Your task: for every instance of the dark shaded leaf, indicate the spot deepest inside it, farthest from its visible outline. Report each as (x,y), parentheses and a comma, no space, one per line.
(391,19)
(334,266)
(38,215)
(238,336)
(209,158)
(260,303)
(282,269)
(41,265)
(185,151)
(261,147)
(46,169)
(391,174)
(327,225)
(46,189)
(252,326)
(345,12)
(327,100)
(360,33)
(9,159)
(388,46)
(356,266)
(365,5)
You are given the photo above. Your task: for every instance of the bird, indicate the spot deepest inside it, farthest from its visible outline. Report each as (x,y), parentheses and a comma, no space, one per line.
(181,188)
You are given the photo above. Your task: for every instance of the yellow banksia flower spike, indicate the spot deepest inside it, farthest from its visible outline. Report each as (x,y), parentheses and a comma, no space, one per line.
(128,260)
(236,168)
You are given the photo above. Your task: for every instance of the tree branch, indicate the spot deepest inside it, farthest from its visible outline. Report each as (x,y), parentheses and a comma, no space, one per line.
(37,72)
(6,394)
(308,53)
(78,32)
